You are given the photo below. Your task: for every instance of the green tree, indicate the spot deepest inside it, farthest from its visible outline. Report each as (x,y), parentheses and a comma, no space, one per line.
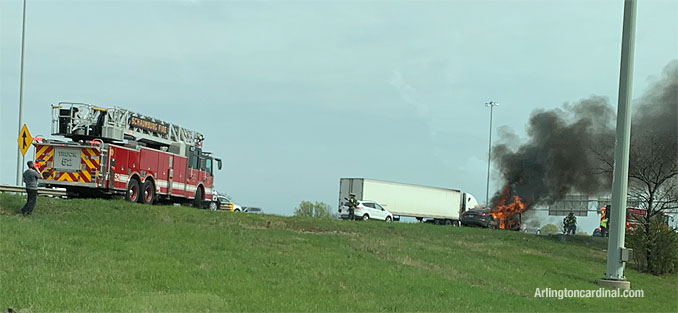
(315,210)
(656,250)
(549,229)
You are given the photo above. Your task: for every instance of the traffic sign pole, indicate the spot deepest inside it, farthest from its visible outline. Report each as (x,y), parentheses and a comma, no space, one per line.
(20,160)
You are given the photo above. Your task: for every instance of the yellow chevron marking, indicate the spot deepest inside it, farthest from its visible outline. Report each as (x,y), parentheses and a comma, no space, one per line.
(64,176)
(89,164)
(86,174)
(42,150)
(50,154)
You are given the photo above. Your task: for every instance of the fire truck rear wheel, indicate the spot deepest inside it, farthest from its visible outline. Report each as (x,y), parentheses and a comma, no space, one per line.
(197,202)
(132,194)
(148,195)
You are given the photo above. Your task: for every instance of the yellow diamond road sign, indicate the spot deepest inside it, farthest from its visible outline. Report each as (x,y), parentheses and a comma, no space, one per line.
(24,140)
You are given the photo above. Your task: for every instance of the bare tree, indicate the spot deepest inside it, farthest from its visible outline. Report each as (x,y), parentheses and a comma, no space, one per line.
(653,177)
(653,173)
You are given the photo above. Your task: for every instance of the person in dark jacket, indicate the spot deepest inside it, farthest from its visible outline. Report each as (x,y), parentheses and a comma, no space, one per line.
(31,176)
(352,205)
(570,222)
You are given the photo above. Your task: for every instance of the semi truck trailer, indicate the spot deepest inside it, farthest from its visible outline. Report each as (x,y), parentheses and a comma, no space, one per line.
(437,205)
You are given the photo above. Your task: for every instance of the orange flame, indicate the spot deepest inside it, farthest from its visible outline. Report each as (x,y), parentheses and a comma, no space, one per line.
(507,208)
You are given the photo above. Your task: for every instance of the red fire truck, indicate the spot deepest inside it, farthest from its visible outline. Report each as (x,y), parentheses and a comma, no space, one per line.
(114,151)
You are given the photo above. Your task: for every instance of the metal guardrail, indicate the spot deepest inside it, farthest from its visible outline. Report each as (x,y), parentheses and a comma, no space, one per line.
(41,191)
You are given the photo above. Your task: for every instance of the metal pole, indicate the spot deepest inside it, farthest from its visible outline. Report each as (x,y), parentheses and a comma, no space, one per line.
(615,265)
(19,156)
(490,104)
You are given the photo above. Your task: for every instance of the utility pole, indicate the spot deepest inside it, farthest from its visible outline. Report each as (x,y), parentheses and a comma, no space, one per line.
(491,105)
(617,254)
(19,156)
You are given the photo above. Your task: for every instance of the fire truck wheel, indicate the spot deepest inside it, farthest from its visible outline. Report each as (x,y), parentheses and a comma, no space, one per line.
(148,195)
(197,202)
(132,191)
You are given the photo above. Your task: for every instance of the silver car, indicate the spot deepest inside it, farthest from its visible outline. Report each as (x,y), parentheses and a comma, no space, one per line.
(253,210)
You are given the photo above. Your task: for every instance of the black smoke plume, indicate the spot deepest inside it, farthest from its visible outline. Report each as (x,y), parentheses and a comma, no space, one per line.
(563,152)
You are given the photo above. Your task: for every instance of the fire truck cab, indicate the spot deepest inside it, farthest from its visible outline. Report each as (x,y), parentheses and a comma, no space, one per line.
(113,151)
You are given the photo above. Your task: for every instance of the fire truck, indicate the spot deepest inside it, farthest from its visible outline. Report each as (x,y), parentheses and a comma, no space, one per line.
(117,152)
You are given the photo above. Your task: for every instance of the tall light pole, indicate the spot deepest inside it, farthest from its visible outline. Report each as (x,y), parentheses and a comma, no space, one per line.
(617,254)
(491,105)
(19,159)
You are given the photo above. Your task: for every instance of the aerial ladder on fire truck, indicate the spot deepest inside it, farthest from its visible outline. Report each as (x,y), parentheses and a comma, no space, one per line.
(81,121)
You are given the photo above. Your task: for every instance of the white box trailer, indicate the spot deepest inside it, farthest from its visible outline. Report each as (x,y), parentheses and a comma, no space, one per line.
(442,205)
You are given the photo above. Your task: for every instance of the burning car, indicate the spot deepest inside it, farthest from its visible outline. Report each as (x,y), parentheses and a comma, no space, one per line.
(508,210)
(479,217)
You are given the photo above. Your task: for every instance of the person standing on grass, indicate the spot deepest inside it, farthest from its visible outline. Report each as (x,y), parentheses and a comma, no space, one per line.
(31,176)
(352,205)
(570,222)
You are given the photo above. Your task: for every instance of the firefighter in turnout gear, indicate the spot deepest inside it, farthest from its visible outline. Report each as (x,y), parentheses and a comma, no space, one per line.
(570,223)
(352,205)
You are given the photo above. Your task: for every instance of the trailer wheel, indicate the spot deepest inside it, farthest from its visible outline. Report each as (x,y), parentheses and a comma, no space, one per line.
(132,194)
(197,202)
(448,222)
(148,195)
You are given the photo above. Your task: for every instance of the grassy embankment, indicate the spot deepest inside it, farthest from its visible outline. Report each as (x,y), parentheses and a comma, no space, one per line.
(99,255)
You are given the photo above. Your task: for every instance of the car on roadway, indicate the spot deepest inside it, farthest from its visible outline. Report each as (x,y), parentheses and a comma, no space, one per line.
(224,203)
(479,217)
(253,210)
(597,232)
(367,210)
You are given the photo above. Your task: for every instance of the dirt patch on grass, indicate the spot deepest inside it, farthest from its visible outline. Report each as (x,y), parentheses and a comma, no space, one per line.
(323,232)
(278,225)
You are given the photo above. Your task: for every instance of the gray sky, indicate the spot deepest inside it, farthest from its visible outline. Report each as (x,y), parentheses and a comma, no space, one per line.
(295,95)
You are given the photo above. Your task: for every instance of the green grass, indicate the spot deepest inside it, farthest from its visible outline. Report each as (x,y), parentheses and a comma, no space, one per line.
(100,255)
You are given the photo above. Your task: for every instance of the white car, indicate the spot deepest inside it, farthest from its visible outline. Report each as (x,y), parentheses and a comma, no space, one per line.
(367,210)
(222,202)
